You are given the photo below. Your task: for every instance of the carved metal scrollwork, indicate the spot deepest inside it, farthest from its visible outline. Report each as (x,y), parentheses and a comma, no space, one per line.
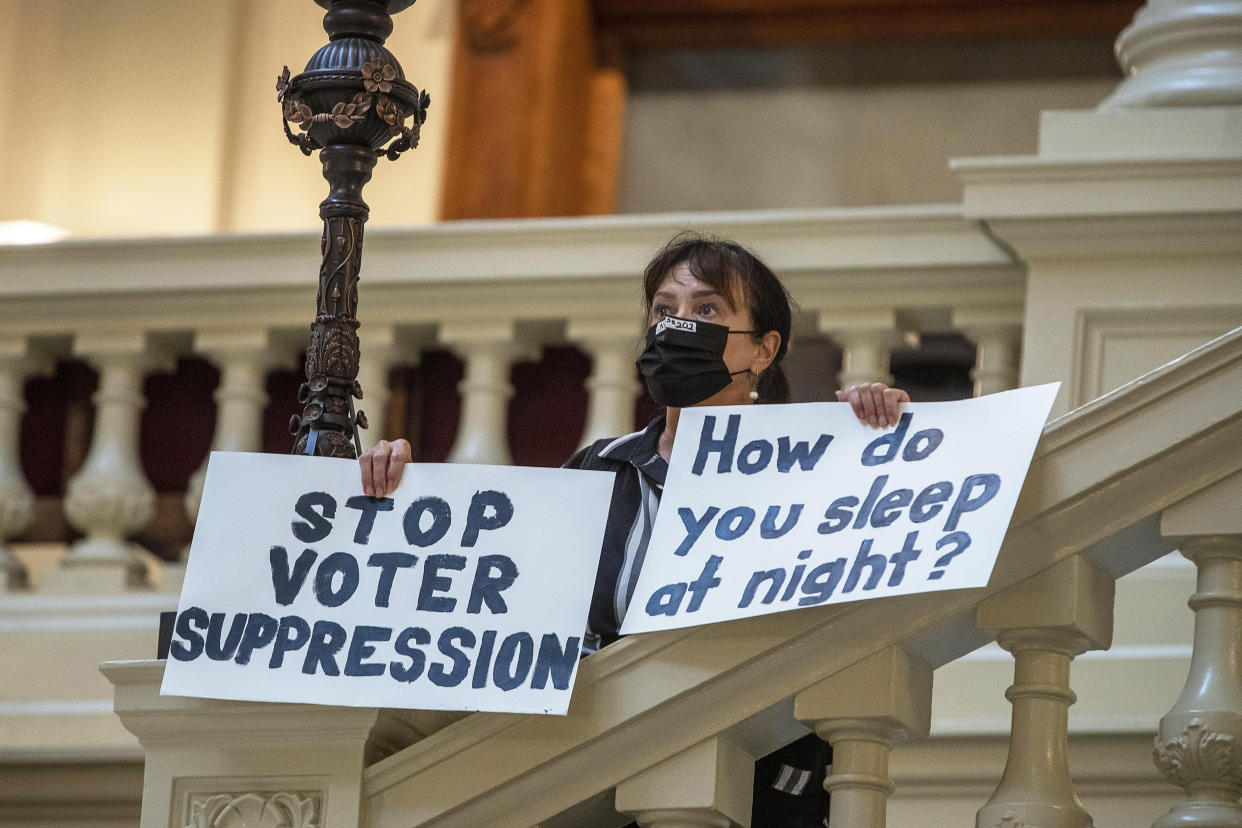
(377,79)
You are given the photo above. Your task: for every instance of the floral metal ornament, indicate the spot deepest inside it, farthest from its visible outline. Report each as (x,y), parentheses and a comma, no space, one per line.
(377,82)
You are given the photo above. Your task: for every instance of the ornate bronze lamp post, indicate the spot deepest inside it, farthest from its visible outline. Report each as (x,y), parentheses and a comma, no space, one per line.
(351,103)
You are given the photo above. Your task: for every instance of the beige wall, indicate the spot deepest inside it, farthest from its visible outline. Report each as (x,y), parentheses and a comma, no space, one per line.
(156,118)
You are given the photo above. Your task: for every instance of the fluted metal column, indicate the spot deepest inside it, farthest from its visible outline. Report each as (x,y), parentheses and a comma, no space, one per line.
(349,103)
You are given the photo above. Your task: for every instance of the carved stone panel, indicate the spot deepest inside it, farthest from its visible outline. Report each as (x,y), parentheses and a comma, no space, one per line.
(255,809)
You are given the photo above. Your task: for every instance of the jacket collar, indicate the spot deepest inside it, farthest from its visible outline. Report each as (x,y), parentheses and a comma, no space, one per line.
(641,450)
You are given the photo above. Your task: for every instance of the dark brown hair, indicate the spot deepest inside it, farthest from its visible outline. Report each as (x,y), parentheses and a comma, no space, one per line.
(737,274)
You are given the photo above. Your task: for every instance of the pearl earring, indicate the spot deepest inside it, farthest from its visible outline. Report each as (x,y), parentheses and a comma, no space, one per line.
(754,382)
(754,395)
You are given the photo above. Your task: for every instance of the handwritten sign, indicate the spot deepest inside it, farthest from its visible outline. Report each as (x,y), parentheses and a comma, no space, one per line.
(771,508)
(466,589)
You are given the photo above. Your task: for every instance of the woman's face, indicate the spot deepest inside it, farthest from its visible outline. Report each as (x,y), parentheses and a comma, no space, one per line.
(682,295)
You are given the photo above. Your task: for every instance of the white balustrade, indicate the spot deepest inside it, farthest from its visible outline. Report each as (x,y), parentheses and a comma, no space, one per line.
(1199,744)
(612,386)
(489,350)
(1045,622)
(705,786)
(16,497)
(863,711)
(1181,53)
(110,498)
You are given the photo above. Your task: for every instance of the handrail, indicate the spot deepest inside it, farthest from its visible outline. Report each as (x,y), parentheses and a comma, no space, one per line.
(1101,474)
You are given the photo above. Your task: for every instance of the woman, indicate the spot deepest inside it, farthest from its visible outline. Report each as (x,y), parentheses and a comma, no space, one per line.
(720,326)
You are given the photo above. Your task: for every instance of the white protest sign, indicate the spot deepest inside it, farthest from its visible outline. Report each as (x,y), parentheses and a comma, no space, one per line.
(465,589)
(775,507)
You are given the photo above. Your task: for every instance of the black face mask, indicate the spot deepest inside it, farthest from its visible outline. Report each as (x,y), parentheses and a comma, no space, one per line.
(683,362)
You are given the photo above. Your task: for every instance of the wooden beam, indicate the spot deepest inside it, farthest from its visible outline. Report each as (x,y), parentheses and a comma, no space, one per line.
(525,94)
(714,23)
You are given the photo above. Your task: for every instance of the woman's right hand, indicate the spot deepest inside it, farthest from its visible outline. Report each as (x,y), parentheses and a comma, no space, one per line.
(382,466)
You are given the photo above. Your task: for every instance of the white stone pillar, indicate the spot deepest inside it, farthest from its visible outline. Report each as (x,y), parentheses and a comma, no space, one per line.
(1045,621)
(233,763)
(489,350)
(109,498)
(612,386)
(1199,744)
(863,711)
(997,335)
(866,338)
(1181,53)
(705,786)
(16,498)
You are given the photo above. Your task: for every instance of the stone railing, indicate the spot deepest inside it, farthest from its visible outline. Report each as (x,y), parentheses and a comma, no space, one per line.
(663,726)
(493,293)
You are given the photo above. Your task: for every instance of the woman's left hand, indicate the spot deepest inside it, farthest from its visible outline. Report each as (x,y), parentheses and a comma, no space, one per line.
(875,403)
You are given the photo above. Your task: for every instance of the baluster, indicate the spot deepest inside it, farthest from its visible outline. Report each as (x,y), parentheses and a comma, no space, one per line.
(16,498)
(1045,621)
(243,358)
(489,350)
(866,337)
(1181,53)
(378,349)
(1199,744)
(706,786)
(612,385)
(997,334)
(109,498)
(863,711)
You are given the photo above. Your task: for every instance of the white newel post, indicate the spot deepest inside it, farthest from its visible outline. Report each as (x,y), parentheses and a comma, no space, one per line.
(612,385)
(109,498)
(863,711)
(489,350)
(1181,53)
(232,763)
(1045,621)
(866,339)
(1199,744)
(705,786)
(16,498)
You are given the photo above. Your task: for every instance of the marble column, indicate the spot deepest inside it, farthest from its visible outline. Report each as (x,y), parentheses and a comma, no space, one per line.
(863,711)
(706,786)
(109,498)
(489,350)
(613,346)
(1045,621)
